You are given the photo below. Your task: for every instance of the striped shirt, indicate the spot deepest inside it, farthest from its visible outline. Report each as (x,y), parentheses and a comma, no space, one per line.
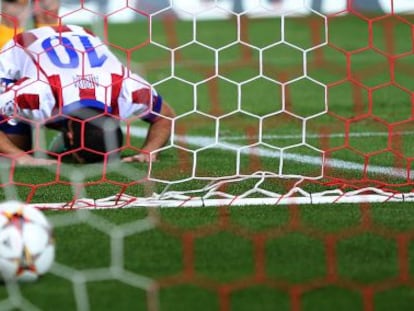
(57,69)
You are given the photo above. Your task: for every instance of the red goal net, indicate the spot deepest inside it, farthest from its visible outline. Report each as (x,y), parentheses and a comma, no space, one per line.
(278,104)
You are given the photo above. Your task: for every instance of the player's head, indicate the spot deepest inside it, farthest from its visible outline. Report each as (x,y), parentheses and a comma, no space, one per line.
(95,135)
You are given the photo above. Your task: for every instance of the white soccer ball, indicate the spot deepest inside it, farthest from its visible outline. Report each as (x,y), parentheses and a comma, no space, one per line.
(27,248)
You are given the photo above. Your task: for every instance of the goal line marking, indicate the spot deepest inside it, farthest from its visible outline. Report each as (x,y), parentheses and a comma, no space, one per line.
(333,135)
(202,141)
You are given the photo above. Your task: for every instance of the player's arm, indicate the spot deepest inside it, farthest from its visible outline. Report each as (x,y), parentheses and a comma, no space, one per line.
(158,134)
(9,147)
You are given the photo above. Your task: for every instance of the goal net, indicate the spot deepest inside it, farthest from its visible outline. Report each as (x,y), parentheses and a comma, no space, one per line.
(277,102)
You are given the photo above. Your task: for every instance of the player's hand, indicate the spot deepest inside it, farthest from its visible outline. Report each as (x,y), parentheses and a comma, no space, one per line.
(28,160)
(141,157)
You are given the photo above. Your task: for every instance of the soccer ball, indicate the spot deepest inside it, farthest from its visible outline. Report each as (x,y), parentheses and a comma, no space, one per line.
(27,248)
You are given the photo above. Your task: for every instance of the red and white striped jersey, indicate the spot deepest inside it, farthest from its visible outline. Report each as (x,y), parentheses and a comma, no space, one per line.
(56,69)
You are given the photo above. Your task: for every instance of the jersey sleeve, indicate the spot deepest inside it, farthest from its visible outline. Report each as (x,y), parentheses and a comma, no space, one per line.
(139,98)
(12,56)
(32,99)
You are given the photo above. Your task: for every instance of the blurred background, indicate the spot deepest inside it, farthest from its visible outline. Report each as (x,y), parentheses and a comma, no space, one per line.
(127,11)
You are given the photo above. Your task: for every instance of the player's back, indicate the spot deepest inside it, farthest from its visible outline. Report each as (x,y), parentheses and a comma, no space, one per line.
(70,59)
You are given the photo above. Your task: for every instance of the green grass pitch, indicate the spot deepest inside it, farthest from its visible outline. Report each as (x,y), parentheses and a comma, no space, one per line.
(314,258)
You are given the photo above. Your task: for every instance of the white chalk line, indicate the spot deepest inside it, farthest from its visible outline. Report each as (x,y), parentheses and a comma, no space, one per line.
(203,141)
(322,135)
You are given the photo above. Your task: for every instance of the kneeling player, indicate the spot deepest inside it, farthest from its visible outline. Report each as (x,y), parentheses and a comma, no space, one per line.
(74,83)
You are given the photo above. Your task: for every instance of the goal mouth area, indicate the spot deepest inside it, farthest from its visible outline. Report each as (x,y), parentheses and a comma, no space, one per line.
(177,200)
(303,192)
(308,110)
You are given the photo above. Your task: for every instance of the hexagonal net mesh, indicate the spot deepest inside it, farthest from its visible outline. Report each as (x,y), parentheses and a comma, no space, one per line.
(275,102)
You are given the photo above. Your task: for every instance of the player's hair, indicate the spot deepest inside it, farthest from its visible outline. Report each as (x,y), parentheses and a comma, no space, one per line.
(98,135)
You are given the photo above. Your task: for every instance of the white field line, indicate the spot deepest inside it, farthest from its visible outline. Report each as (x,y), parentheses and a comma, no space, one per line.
(203,141)
(322,135)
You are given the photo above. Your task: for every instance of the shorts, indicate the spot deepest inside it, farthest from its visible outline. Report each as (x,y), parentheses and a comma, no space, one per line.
(17,128)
